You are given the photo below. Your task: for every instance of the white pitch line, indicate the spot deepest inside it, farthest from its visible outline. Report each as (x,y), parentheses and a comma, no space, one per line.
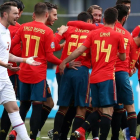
(49,138)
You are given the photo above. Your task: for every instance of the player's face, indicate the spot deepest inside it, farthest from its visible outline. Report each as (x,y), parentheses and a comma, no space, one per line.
(97,15)
(13,16)
(129,6)
(52,17)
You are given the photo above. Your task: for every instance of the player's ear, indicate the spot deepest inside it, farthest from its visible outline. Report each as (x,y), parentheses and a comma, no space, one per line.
(89,21)
(47,14)
(5,14)
(33,16)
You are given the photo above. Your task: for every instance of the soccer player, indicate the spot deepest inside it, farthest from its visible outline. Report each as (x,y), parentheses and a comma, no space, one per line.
(37,39)
(13,75)
(126,3)
(104,44)
(9,16)
(119,111)
(135,33)
(122,77)
(74,85)
(96,12)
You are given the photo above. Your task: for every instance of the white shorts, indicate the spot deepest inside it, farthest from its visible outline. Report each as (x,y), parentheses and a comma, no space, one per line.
(7,93)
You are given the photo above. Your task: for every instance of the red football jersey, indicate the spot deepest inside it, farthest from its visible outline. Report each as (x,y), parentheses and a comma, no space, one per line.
(37,40)
(84,25)
(17,51)
(128,40)
(135,33)
(104,44)
(74,38)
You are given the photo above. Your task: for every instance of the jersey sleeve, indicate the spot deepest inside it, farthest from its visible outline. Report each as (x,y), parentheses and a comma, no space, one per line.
(88,41)
(134,54)
(16,39)
(84,25)
(121,44)
(136,31)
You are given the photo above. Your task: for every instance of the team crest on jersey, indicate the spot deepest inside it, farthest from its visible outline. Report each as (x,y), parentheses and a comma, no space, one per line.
(96,24)
(52,45)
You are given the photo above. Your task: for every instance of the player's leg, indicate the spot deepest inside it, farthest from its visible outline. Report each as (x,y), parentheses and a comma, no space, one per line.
(46,109)
(80,82)
(125,96)
(8,99)
(38,95)
(124,126)
(24,97)
(116,121)
(5,121)
(64,99)
(67,122)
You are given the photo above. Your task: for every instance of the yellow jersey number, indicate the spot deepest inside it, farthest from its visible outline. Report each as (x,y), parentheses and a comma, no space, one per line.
(107,51)
(28,37)
(76,44)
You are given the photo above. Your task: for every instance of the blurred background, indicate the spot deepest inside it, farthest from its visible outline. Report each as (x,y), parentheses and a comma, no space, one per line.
(69,9)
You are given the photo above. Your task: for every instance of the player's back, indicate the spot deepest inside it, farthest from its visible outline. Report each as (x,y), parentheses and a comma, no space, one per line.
(37,39)
(104,46)
(74,38)
(124,65)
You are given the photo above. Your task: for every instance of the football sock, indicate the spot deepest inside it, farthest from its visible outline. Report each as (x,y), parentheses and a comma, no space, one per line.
(105,126)
(116,123)
(124,120)
(67,122)
(132,123)
(138,118)
(58,121)
(89,111)
(5,125)
(35,119)
(18,125)
(92,118)
(78,121)
(24,107)
(96,126)
(44,115)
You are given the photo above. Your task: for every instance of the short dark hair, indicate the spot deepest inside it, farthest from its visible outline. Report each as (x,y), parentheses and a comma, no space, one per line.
(110,15)
(51,6)
(92,7)
(84,16)
(122,11)
(20,4)
(123,1)
(6,7)
(40,8)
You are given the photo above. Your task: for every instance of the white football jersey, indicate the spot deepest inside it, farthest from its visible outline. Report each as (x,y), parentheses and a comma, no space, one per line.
(5,44)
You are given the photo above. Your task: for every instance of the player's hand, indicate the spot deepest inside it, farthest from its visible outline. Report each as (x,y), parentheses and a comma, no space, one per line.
(61,68)
(9,66)
(132,71)
(73,64)
(62,29)
(31,61)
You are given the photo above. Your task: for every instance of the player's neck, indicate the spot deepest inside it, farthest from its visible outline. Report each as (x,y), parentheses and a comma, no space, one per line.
(121,22)
(40,20)
(109,25)
(4,23)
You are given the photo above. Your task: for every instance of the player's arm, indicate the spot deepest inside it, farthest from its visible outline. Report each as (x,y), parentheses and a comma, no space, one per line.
(136,31)
(84,25)
(121,49)
(16,40)
(29,60)
(59,36)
